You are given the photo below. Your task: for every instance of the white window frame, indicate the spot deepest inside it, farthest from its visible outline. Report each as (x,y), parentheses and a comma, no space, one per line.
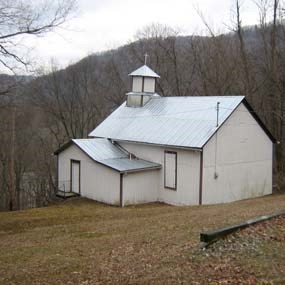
(175,171)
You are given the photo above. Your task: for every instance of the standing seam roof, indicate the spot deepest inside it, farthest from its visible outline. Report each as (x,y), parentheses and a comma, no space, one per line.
(174,121)
(108,154)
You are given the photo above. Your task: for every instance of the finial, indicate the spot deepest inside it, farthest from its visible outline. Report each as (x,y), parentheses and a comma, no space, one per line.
(145,58)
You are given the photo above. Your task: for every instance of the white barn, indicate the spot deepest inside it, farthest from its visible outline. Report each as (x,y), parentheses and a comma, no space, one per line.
(176,150)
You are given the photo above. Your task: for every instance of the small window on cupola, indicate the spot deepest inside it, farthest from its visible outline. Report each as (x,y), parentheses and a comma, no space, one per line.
(143,82)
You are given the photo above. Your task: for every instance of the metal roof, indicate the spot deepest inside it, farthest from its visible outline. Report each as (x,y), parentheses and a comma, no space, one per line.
(130,165)
(108,154)
(99,149)
(171,121)
(144,94)
(144,71)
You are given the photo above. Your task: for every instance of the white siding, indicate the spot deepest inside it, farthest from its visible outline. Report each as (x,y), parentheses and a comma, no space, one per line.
(140,187)
(98,182)
(137,84)
(134,101)
(241,158)
(146,99)
(149,84)
(188,170)
(243,161)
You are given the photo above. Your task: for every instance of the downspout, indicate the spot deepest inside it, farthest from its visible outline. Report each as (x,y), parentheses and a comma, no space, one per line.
(121,190)
(201,179)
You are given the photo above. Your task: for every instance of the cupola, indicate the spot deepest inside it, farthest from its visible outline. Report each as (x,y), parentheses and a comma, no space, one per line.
(143,82)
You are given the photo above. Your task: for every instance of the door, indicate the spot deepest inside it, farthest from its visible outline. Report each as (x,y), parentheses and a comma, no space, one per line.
(75,176)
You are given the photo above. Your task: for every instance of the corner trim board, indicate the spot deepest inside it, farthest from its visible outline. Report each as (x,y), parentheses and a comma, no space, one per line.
(121,189)
(201,179)
(143,84)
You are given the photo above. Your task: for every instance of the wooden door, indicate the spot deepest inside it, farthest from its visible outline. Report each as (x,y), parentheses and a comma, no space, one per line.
(75,176)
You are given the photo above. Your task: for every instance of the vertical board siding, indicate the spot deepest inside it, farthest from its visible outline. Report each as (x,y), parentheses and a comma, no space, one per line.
(98,182)
(141,187)
(188,170)
(145,99)
(137,84)
(149,84)
(243,155)
(134,101)
(236,164)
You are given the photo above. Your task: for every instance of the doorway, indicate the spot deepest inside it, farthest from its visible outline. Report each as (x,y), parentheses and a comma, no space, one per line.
(75,176)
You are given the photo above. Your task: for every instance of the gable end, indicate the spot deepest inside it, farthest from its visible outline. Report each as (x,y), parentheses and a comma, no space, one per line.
(254,115)
(259,121)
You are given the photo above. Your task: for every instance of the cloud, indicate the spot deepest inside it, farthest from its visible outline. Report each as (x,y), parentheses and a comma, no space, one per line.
(107,24)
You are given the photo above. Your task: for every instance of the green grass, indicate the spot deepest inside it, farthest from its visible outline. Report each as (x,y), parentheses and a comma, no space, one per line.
(84,242)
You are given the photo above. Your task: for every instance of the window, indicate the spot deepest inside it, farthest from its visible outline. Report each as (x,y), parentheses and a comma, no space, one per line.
(170,170)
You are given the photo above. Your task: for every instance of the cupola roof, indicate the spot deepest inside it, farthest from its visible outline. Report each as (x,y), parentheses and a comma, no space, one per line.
(144,71)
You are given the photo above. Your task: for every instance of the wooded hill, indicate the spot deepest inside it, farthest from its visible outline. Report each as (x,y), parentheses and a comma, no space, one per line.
(40,114)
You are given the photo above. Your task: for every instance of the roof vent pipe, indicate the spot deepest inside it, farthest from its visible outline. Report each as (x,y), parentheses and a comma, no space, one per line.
(218,109)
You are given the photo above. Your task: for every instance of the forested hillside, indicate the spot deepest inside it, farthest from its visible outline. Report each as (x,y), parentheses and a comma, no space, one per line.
(37,115)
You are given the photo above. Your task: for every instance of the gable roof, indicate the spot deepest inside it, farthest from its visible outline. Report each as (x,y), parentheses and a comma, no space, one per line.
(187,122)
(144,71)
(110,155)
(172,121)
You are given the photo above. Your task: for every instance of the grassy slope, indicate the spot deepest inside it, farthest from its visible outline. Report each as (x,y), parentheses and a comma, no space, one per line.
(81,242)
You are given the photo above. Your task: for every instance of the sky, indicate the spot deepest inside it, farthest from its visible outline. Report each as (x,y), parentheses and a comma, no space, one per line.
(100,25)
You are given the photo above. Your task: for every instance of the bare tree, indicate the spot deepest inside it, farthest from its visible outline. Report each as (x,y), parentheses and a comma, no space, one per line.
(22,18)
(71,100)
(169,57)
(246,65)
(113,84)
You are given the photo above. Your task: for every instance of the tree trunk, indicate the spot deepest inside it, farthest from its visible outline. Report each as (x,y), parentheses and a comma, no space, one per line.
(12,180)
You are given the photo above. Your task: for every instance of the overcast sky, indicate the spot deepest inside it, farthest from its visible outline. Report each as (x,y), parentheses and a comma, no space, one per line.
(104,24)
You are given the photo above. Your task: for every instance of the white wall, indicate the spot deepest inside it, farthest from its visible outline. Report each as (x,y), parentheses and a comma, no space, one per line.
(149,84)
(243,161)
(146,99)
(98,182)
(134,101)
(137,84)
(188,173)
(140,187)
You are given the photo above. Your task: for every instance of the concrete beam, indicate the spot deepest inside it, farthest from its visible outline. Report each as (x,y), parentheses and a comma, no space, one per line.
(210,237)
